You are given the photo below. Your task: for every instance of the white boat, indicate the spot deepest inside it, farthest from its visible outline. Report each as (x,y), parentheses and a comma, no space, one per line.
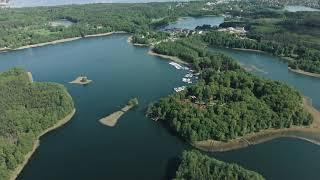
(178,89)
(189,75)
(186,80)
(176,65)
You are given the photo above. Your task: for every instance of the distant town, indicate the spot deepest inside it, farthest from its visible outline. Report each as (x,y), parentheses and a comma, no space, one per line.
(4,2)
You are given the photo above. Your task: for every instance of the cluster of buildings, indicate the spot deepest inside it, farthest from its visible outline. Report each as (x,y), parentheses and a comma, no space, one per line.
(4,3)
(234,30)
(181,31)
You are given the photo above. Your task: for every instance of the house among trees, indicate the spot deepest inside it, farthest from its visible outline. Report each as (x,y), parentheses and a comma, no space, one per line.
(4,3)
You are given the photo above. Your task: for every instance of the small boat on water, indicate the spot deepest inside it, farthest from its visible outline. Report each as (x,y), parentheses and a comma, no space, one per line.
(189,75)
(187,80)
(178,89)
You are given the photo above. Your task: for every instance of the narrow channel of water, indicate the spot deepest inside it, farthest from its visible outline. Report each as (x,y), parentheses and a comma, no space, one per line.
(192,22)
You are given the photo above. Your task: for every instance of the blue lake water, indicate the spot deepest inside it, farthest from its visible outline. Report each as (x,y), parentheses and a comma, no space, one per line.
(192,22)
(84,148)
(284,158)
(139,148)
(299,8)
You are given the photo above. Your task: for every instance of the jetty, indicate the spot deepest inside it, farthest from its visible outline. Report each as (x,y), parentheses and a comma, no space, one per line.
(81,80)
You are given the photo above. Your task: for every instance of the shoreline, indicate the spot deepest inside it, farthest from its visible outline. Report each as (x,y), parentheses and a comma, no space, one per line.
(286,59)
(310,134)
(298,71)
(172,58)
(60,41)
(129,40)
(14,174)
(250,50)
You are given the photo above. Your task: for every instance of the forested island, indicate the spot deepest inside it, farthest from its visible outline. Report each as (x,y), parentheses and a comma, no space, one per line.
(227,102)
(194,165)
(27,111)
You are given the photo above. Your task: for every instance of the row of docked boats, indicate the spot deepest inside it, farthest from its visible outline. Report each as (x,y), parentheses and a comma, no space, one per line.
(187,78)
(178,89)
(178,66)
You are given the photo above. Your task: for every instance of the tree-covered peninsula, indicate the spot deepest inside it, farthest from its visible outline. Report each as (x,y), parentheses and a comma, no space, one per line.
(27,110)
(29,26)
(293,36)
(194,165)
(227,102)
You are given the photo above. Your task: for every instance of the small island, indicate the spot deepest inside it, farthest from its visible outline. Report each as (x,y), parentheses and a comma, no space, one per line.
(113,118)
(81,80)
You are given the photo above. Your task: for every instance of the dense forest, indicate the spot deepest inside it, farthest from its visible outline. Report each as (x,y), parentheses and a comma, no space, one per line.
(294,36)
(281,3)
(194,165)
(299,56)
(227,102)
(25,26)
(26,109)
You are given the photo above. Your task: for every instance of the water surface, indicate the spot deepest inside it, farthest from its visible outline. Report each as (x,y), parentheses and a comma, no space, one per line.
(283,158)
(299,8)
(192,22)
(138,148)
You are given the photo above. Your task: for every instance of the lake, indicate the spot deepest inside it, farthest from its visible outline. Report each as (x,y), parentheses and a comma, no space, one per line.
(139,148)
(299,8)
(192,22)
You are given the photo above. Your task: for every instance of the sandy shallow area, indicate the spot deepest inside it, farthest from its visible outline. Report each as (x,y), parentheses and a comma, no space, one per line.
(78,81)
(60,41)
(298,71)
(113,118)
(172,58)
(310,134)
